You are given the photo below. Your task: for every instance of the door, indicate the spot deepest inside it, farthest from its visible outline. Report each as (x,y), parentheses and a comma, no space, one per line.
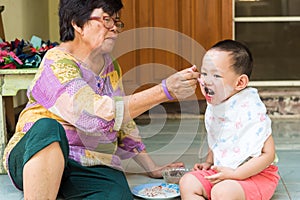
(165,36)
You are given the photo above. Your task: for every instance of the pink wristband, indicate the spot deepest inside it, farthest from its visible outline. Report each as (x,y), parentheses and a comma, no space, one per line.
(164,85)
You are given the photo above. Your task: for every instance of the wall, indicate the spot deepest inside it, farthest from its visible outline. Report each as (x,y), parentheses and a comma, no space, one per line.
(53,20)
(281,102)
(24,18)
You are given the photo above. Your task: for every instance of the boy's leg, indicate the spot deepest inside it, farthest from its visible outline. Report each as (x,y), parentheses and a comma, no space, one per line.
(191,188)
(228,189)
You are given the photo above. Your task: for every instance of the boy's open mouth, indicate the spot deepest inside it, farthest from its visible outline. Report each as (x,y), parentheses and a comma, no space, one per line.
(208,91)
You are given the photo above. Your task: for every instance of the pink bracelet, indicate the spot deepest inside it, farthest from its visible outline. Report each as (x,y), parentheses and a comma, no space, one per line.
(164,85)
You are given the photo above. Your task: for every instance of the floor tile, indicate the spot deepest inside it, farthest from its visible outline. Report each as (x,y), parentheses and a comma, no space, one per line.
(180,140)
(7,190)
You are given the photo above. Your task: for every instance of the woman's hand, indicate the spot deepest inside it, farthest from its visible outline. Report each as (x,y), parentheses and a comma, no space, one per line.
(158,173)
(202,166)
(223,173)
(183,83)
(150,167)
(180,85)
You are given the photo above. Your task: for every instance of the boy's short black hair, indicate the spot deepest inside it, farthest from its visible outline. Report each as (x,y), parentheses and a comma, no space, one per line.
(241,55)
(79,12)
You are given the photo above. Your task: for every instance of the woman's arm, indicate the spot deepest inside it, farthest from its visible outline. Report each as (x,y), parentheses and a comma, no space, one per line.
(61,89)
(180,85)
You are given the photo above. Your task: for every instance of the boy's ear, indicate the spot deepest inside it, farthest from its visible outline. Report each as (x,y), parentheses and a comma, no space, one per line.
(242,82)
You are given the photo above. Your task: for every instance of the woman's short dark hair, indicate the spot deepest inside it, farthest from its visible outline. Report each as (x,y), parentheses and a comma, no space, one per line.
(241,55)
(79,12)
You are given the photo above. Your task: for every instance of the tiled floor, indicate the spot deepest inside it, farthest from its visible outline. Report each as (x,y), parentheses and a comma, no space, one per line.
(180,140)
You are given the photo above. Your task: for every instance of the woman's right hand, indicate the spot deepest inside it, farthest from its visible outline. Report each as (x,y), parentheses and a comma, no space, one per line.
(183,83)
(180,85)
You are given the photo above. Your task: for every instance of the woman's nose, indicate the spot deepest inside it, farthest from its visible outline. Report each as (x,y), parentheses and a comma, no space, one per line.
(114,29)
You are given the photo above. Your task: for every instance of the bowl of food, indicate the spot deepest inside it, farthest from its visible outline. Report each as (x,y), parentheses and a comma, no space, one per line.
(173,175)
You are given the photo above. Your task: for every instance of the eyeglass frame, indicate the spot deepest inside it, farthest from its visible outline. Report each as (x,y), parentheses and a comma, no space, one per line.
(117,22)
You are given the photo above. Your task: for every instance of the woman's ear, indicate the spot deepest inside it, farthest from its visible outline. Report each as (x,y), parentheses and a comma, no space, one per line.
(77,28)
(242,82)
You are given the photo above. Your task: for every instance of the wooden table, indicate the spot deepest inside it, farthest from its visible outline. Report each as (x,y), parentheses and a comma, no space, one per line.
(11,81)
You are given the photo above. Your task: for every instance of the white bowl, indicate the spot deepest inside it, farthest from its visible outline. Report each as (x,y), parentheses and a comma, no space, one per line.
(173,175)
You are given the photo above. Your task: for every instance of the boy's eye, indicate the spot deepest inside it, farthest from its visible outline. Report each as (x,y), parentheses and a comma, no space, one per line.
(203,74)
(217,76)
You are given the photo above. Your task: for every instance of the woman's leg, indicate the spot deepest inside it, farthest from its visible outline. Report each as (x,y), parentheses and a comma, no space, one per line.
(191,188)
(228,189)
(42,173)
(94,183)
(37,161)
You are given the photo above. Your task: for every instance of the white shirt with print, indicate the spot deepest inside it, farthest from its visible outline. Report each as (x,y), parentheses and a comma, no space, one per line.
(237,128)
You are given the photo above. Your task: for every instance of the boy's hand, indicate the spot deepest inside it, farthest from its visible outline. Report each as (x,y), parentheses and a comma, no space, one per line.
(223,173)
(202,166)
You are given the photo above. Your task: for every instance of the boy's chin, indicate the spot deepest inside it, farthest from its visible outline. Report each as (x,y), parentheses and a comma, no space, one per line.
(214,101)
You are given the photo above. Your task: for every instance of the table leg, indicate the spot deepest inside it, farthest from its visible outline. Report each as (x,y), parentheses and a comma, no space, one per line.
(3,133)
(10,114)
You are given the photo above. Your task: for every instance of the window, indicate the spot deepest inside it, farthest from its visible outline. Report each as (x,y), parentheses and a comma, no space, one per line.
(271,29)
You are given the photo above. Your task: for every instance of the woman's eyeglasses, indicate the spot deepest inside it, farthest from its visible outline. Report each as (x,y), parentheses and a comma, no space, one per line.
(109,22)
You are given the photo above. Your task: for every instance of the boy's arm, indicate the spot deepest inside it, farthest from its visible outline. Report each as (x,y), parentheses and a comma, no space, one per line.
(257,164)
(208,162)
(210,157)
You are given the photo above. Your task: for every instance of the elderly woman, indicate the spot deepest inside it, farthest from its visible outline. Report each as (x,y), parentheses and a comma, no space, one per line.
(78,124)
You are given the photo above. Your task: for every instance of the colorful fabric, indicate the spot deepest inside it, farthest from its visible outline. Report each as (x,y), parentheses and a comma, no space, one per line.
(21,54)
(238,128)
(89,106)
(260,186)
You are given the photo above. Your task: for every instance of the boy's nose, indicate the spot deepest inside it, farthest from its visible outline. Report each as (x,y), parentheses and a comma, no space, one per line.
(207,80)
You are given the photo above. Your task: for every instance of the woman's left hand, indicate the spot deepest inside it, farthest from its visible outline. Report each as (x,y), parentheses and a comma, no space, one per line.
(158,173)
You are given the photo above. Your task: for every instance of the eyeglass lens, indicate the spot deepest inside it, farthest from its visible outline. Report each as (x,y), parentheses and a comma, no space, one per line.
(109,22)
